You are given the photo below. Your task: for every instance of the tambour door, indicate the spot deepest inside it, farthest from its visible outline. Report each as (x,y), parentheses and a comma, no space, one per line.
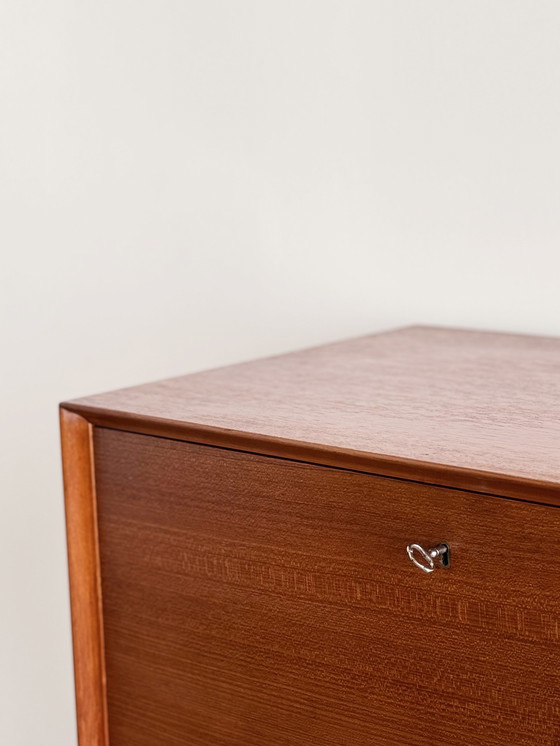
(255,601)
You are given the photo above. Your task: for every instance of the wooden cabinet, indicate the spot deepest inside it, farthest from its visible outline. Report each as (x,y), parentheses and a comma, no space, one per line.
(237,547)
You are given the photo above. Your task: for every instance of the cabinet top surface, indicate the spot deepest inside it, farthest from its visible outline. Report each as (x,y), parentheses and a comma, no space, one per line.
(468,402)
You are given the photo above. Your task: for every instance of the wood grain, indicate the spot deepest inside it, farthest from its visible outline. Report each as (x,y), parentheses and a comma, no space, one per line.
(252,601)
(472,410)
(85,586)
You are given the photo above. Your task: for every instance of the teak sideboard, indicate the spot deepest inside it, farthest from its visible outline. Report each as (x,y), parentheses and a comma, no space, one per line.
(353,545)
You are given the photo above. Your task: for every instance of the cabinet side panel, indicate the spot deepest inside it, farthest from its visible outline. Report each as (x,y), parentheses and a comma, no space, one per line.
(85,586)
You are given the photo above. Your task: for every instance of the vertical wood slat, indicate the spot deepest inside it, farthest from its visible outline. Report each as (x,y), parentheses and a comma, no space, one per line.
(85,581)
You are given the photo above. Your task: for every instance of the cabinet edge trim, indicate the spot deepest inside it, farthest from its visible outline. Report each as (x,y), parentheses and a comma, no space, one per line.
(84,577)
(442,475)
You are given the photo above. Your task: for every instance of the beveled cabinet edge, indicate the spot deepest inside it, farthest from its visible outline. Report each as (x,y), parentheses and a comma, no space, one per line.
(85,579)
(441,475)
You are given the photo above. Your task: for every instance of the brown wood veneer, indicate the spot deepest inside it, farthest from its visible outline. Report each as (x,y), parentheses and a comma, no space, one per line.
(473,410)
(236,548)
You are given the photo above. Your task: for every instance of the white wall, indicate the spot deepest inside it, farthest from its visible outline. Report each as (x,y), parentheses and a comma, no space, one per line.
(189,183)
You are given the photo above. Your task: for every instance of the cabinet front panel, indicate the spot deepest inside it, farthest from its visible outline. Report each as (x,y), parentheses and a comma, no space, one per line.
(253,601)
